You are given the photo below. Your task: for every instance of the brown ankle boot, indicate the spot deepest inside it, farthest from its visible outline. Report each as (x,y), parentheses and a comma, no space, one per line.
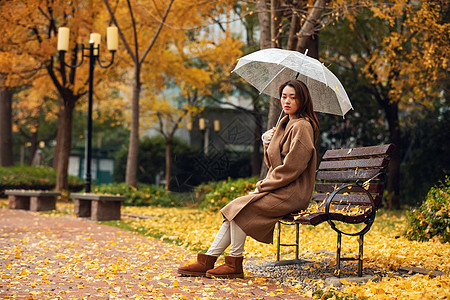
(204,263)
(231,269)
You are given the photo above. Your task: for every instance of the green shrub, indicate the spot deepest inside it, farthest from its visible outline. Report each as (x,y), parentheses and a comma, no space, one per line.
(432,218)
(28,177)
(205,188)
(142,195)
(221,193)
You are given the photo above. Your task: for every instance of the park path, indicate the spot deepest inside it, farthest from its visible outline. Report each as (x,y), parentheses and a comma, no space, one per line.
(46,256)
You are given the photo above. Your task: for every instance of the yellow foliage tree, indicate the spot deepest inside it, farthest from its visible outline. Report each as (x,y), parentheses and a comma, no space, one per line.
(194,67)
(401,49)
(146,30)
(28,49)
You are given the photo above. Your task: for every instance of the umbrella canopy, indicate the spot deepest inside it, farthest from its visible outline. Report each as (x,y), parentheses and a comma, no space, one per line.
(267,69)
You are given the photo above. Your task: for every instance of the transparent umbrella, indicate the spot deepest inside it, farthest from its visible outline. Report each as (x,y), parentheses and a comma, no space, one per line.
(267,69)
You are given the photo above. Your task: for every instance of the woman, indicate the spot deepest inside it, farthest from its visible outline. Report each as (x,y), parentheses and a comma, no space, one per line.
(290,154)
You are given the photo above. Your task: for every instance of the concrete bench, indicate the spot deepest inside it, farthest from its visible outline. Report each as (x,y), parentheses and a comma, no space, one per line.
(32,200)
(97,207)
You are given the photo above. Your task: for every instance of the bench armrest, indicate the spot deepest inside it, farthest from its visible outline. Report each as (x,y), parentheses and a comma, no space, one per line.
(368,220)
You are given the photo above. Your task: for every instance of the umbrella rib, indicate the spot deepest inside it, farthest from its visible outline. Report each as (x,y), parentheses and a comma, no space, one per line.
(339,103)
(323,72)
(271,80)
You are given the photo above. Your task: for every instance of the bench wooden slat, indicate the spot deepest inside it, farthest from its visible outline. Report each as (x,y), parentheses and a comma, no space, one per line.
(330,187)
(320,217)
(348,175)
(348,208)
(382,150)
(348,199)
(377,162)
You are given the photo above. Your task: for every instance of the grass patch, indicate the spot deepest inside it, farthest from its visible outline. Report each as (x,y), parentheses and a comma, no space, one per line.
(3,203)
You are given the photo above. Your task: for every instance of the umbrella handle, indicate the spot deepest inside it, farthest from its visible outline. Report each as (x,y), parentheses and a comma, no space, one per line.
(262,136)
(264,140)
(279,118)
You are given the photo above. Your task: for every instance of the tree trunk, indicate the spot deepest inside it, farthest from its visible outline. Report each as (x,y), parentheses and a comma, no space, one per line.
(264,25)
(256,155)
(275,25)
(268,38)
(294,27)
(308,29)
(58,134)
(62,178)
(305,36)
(133,149)
(274,106)
(34,146)
(393,184)
(312,44)
(6,141)
(168,162)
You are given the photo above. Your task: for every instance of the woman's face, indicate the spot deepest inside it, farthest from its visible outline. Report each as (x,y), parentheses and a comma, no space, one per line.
(289,101)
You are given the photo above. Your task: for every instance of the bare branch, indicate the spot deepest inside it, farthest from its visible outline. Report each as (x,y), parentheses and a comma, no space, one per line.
(161,24)
(161,125)
(122,36)
(133,22)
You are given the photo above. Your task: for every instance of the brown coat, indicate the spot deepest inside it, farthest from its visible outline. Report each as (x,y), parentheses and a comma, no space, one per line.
(288,186)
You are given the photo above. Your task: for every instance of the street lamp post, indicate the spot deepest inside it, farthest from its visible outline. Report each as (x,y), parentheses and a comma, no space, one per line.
(94,56)
(203,125)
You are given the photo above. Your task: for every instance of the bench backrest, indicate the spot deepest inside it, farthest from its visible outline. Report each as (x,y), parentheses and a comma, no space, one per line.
(342,166)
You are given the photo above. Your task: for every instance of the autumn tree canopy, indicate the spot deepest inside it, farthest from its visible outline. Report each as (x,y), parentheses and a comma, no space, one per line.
(398,54)
(146,30)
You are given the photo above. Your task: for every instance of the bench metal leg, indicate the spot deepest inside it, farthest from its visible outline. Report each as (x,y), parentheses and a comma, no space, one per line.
(338,254)
(278,241)
(339,258)
(360,256)
(297,240)
(280,262)
(296,245)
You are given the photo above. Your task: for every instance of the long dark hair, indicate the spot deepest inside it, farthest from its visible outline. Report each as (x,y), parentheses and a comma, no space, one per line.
(305,108)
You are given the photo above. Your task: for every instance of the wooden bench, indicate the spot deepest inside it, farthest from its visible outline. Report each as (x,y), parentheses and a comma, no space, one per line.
(97,207)
(349,189)
(32,200)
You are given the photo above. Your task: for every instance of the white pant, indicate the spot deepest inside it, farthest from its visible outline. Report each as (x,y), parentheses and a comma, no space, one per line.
(229,234)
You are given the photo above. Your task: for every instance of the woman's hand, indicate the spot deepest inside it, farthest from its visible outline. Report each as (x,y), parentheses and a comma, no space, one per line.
(267,136)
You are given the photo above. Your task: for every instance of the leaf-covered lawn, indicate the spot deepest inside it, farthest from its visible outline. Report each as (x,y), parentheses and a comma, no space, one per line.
(385,248)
